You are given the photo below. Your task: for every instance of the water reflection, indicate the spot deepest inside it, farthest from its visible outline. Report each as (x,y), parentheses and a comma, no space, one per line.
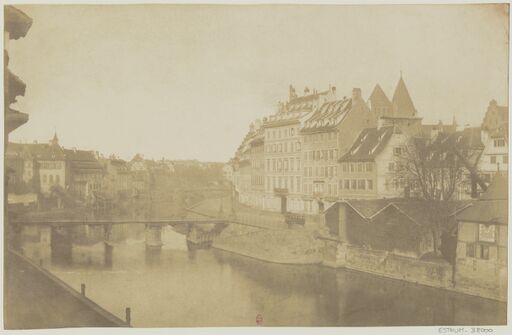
(169,285)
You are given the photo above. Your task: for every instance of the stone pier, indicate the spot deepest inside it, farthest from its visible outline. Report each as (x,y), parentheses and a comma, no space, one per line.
(109,247)
(153,237)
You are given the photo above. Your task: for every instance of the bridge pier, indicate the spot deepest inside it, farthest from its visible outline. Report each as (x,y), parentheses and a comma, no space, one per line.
(61,245)
(153,236)
(109,247)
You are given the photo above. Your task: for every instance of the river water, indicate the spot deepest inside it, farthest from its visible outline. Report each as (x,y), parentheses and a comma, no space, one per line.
(175,286)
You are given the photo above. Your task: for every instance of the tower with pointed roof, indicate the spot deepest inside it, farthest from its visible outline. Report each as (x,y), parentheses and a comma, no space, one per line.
(400,111)
(379,102)
(402,102)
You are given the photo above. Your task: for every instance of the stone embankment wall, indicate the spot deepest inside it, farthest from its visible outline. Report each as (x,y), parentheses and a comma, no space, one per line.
(436,273)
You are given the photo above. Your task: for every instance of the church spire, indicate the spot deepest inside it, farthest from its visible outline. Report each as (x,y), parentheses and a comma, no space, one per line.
(55,139)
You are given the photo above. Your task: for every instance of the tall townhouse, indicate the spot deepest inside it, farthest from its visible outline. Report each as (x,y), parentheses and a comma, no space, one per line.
(368,168)
(494,137)
(243,185)
(327,134)
(283,149)
(257,160)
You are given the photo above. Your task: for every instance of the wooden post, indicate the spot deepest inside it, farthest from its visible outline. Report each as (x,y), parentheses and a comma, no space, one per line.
(128,315)
(82,289)
(41,262)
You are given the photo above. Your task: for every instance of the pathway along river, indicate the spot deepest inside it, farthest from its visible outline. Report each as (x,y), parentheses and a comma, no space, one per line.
(177,287)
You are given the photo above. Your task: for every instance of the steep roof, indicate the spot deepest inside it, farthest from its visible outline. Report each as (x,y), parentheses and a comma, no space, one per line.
(492,206)
(495,116)
(378,97)
(369,143)
(328,116)
(39,151)
(415,209)
(498,189)
(402,102)
(83,161)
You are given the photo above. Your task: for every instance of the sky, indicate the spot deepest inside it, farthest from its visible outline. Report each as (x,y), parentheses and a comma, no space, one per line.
(185,82)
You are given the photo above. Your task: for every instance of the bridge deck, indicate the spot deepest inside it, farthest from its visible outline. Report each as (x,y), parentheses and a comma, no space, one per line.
(162,222)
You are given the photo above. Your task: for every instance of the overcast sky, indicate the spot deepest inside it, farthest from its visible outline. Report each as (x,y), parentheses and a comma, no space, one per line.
(184,82)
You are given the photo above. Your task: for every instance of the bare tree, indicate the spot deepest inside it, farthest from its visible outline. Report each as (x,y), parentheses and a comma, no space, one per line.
(433,170)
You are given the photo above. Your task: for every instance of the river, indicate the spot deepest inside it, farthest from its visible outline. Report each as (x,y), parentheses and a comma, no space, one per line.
(174,286)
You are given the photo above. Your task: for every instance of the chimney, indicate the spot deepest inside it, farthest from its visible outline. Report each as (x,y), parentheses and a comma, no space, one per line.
(356,94)
(306,90)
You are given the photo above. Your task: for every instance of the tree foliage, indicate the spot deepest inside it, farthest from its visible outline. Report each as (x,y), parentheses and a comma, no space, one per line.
(434,169)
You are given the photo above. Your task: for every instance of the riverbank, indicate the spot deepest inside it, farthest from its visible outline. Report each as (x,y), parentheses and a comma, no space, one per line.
(36,299)
(271,240)
(275,246)
(261,235)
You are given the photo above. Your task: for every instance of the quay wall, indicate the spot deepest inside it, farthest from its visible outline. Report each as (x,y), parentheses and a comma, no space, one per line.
(38,299)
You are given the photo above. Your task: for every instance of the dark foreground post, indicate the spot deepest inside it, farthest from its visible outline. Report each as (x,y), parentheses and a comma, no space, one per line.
(128,315)
(82,289)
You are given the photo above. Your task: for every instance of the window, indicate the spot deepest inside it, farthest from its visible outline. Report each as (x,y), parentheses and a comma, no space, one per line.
(341,184)
(360,167)
(397,151)
(391,166)
(57,179)
(347,184)
(483,251)
(505,159)
(486,233)
(51,179)
(493,159)
(44,179)
(470,250)
(292,131)
(369,182)
(292,162)
(344,167)
(352,167)
(361,184)
(369,167)
(354,184)
(499,143)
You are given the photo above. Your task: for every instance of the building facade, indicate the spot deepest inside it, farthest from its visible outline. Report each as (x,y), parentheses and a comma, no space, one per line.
(84,174)
(283,149)
(327,134)
(482,248)
(494,137)
(368,169)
